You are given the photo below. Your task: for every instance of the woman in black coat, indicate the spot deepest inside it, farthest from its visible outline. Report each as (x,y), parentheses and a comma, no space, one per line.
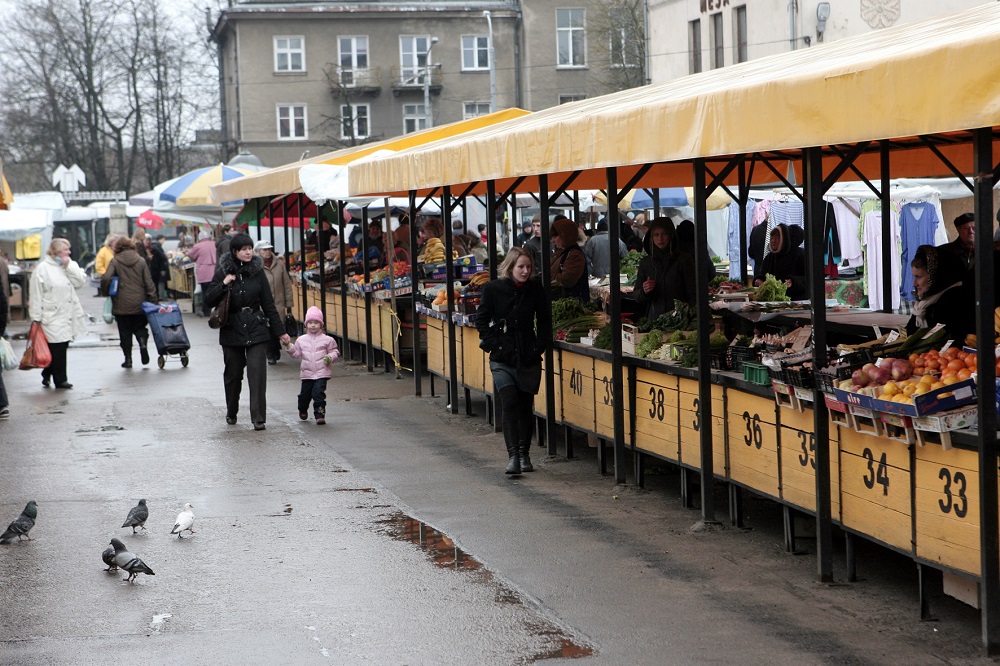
(942,298)
(515,325)
(247,331)
(786,262)
(665,274)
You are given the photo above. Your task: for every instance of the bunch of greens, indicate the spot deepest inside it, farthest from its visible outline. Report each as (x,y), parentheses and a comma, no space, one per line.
(772,289)
(715,282)
(603,339)
(565,310)
(629,264)
(682,318)
(717,344)
(650,343)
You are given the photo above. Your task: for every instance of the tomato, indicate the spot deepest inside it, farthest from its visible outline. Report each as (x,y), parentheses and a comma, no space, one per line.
(971,360)
(913,358)
(956,365)
(932,364)
(964,374)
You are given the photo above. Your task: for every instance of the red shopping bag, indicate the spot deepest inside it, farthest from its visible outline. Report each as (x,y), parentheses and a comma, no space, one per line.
(36,354)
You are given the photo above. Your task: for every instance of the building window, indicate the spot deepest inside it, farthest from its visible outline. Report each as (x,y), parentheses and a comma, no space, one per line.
(718,43)
(290,54)
(414,118)
(474,109)
(413,58)
(740,36)
(475,52)
(694,46)
(292,122)
(353,59)
(566,99)
(354,121)
(571,45)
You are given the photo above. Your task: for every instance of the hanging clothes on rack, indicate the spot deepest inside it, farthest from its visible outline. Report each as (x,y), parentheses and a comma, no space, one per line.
(871,241)
(918,222)
(848,214)
(735,254)
(831,243)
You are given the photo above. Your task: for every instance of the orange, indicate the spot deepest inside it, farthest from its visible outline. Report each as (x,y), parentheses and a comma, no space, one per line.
(971,360)
(949,380)
(932,364)
(964,374)
(955,364)
(913,358)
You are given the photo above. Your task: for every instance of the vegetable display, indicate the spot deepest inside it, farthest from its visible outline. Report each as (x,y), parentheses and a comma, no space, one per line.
(771,290)
(603,339)
(650,343)
(629,264)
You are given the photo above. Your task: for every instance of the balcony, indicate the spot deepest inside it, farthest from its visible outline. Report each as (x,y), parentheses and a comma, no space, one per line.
(411,79)
(364,81)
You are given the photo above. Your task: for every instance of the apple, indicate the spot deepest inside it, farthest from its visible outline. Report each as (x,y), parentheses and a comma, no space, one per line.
(901,369)
(860,378)
(869,369)
(881,375)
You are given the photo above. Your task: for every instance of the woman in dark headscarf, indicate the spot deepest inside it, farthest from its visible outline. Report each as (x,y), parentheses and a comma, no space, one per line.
(665,274)
(568,269)
(787,260)
(941,296)
(685,243)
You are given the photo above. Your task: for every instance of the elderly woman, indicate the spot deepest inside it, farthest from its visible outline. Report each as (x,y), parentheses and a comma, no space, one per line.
(942,298)
(281,290)
(665,275)
(431,228)
(135,285)
(786,262)
(568,269)
(515,324)
(248,328)
(55,305)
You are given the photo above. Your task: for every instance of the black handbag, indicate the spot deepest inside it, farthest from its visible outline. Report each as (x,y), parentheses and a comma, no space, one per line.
(220,315)
(499,341)
(291,326)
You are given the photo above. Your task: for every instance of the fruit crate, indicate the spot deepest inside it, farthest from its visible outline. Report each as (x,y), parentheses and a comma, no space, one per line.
(842,368)
(756,373)
(778,372)
(740,354)
(719,360)
(800,376)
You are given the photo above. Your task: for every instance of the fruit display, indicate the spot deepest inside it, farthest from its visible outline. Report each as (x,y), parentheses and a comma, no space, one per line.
(434,251)
(902,379)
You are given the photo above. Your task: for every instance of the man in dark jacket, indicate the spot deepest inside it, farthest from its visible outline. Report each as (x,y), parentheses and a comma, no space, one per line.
(245,335)
(159,267)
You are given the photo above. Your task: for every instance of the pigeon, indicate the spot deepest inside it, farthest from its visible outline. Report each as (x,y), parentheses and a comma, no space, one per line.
(137,516)
(22,525)
(184,522)
(129,562)
(109,558)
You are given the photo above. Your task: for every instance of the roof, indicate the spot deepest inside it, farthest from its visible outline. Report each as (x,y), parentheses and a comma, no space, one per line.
(285,179)
(933,77)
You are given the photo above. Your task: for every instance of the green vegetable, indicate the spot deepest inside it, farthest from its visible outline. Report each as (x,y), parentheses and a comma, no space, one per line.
(717,339)
(772,289)
(603,339)
(567,312)
(678,336)
(682,318)
(649,344)
(717,280)
(629,264)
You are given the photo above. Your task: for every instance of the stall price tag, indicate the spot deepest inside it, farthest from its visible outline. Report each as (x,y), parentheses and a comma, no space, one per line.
(931,332)
(946,345)
(892,337)
(878,331)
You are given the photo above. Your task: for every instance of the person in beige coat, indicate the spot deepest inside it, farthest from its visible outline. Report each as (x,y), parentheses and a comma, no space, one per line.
(54,304)
(281,289)
(135,285)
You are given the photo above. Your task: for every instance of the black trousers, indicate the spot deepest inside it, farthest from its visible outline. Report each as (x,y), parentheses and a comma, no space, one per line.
(314,390)
(517,422)
(57,368)
(205,310)
(132,325)
(254,359)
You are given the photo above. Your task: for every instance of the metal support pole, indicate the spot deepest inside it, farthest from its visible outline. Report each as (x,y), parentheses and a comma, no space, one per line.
(369,352)
(704,360)
(491,249)
(546,275)
(493,64)
(302,258)
(985,304)
(449,278)
(418,363)
(815,219)
(744,197)
(428,118)
(617,393)
(341,229)
(887,249)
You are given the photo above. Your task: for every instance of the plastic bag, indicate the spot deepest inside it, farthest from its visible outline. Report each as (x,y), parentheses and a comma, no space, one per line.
(36,354)
(8,359)
(108,316)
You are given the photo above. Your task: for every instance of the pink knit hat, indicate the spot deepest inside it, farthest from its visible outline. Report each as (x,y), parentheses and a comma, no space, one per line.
(314,314)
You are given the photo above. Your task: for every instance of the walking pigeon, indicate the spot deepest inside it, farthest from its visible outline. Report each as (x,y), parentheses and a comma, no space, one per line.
(137,516)
(22,525)
(109,558)
(184,522)
(129,562)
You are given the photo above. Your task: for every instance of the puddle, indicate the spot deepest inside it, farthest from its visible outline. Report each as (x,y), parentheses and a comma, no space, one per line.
(443,552)
(159,621)
(103,428)
(354,490)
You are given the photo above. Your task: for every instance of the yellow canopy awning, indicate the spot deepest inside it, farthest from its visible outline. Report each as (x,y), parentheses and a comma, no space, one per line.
(932,77)
(285,179)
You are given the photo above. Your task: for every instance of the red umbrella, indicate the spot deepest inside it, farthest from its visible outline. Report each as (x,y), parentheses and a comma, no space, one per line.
(149,220)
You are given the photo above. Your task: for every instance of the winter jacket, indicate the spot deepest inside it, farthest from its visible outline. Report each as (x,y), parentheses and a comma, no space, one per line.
(788,263)
(53,300)
(569,271)
(598,250)
(135,284)
(252,315)
(4,303)
(159,268)
(281,284)
(104,257)
(311,348)
(203,254)
(674,275)
(530,323)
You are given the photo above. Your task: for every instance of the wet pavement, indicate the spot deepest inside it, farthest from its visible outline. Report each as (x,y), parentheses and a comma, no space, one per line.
(389,536)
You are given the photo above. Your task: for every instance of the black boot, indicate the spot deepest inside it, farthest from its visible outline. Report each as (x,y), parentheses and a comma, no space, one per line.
(143,352)
(525,452)
(128,358)
(514,462)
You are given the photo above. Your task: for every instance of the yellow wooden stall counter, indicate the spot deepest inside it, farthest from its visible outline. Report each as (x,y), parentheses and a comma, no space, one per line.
(690,426)
(656,416)
(875,488)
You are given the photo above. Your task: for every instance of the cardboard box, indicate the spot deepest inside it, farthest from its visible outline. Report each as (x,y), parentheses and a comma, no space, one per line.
(856,399)
(630,338)
(955,419)
(963,393)
(866,421)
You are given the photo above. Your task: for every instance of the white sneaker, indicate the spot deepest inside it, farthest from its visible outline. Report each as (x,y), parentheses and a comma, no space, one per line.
(4,413)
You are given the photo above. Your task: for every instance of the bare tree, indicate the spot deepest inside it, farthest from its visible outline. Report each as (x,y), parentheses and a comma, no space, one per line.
(619,31)
(342,129)
(98,83)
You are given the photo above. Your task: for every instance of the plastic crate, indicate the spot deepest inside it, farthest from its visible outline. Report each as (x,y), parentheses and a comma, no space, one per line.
(739,354)
(720,360)
(843,367)
(777,373)
(800,376)
(756,373)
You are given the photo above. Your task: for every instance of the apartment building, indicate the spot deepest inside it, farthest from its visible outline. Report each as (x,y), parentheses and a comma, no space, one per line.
(691,36)
(317,76)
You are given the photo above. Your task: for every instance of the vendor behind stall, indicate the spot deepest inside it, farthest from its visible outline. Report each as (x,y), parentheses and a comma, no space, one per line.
(786,261)
(665,274)
(942,298)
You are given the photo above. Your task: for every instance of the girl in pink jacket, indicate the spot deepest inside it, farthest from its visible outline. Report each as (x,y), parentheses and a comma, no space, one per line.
(317,351)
